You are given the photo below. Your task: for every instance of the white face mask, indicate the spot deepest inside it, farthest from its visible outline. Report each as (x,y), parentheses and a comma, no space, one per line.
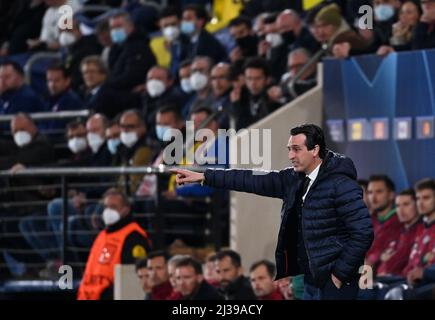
(110,216)
(22,138)
(66,39)
(95,141)
(171,33)
(129,138)
(275,39)
(186,85)
(155,88)
(77,145)
(198,81)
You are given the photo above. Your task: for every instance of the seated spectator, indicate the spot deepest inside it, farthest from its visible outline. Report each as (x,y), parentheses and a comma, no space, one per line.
(401,38)
(77,144)
(123,241)
(385,16)
(49,37)
(110,50)
(221,89)
(209,270)
(61,98)
(261,275)
(134,150)
(395,257)
(233,285)
(98,96)
(160,89)
(144,277)
(15,95)
(186,86)
(172,264)
(202,43)
(191,282)
(424,34)
(297,59)
(157,264)
(135,57)
(245,38)
(113,133)
(386,224)
(256,104)
(293,32)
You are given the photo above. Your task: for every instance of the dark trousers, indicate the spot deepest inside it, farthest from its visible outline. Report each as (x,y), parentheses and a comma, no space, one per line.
(331,292)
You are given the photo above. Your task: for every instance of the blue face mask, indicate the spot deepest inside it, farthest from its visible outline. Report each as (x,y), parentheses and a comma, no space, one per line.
(161,130)
(187,27)
(118,35)
(112,145)
(384,12)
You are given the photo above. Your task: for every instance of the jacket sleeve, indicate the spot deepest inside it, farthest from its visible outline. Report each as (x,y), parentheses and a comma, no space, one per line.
(429,274)
(264,183)
(354,215)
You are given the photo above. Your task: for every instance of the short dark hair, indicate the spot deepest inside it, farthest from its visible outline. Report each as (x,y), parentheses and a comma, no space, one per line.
(169,11)
(241,20)
(116,192)
(407,192)
(427,183)
(236,260)
(74,124)
(270,18)
(189,262)
(172,108)
(363,183)
(270,267)
(314,135)
(58,66)
(185,63)
(257,63)
(137,113)
(158,253)
(200,106)
(141,264)
(102,26)
(199,10)
(384,178)
(121,13)
(15,65)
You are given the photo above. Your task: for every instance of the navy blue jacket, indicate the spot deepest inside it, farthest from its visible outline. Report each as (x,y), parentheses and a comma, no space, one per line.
(23,99)
(336,225)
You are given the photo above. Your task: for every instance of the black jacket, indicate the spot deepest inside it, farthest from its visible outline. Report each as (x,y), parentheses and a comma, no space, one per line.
(336,224)
(240,289)
(424,36)
(205,292)
(207,45)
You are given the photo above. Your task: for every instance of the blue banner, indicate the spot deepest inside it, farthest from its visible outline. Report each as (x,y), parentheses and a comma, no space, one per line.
(380,112)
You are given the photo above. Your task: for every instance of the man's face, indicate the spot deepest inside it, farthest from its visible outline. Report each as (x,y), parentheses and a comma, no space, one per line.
(261,281)
(427,5)
(158,271)
(113,132)
(187,280)
(168,119)
(239,31)
(92,76)
(9,79)
(171,21)
(380,197)
(130,123)
(121,23)
(57,82)
(144,279)
(219,79)
(426,202)
(158,74)
(406,208)
(300,157)
(189,15)
(172,277)
(198,118)
(323,32)
(20,123)
(226,272)
(78,132)
(256,81)
(95,125)
(295,63)
(184,72)
(200,65)
(115,202)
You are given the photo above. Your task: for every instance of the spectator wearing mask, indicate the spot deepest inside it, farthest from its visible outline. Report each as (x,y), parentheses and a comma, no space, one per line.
(297,59)
(123,241)
(110,50)
(261,275)
(77,144)
(98,96)
(209,269)
(424,35)
(385,16)
(157,264)
(172,264)
(113,141)
(221,89)
(15,95)
(233,285)
(61,98)
(386,224)
(191,282)
(133,150)
(256,104)
(245,38)
(77,46)
(143,276)
(160,89)
(184,74)
(135,57)
(202,43)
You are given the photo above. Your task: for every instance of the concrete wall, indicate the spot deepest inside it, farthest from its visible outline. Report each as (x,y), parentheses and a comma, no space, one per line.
(254,220)
(127,286)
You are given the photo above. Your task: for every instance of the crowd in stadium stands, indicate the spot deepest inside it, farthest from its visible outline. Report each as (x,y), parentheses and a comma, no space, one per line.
(142,71)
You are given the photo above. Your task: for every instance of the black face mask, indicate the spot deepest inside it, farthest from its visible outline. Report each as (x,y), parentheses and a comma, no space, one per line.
(288,37)
(248,45)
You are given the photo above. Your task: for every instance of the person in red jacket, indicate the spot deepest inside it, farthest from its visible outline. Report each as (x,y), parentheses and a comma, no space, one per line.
(261,275)
(159,276)
(386,224)
(395,257)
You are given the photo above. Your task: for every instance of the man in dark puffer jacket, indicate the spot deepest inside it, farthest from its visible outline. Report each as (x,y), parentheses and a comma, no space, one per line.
(325,227)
